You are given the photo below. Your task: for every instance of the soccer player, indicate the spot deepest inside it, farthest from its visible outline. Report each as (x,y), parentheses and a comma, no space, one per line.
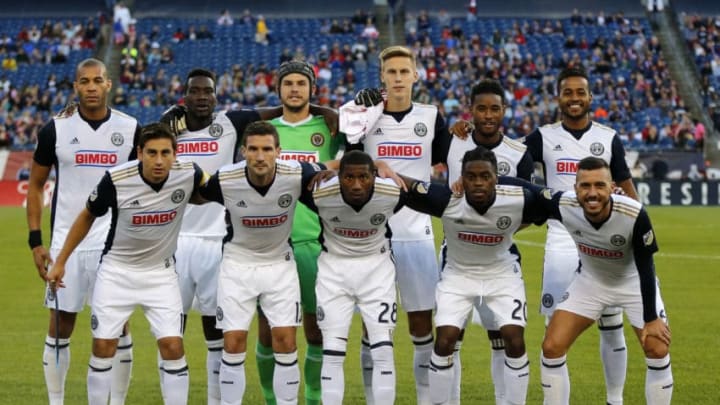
(355,269)
(616,242)
(559,147)
(306,138)
(260,195)
(81,143)
(488,104)
(147,198)
(481,269)
(410,137)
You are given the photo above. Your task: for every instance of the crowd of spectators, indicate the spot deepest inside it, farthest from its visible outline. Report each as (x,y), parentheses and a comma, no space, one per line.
(703,37)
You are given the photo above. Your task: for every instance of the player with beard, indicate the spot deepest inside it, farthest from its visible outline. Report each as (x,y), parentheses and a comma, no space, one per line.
(559,147)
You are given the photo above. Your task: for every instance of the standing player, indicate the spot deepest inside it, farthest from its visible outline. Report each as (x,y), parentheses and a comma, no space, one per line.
(147,199)
(559,147)
(303,137)
(260,195)
(355,269)
(616,242)
(81,144)
(481,268)
(410,137)
(488,104)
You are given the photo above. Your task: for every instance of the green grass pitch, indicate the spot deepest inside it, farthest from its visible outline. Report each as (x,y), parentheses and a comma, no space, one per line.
(688,265)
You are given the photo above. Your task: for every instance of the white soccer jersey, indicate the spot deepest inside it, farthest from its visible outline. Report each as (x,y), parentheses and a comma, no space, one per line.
(606,253)
(407,147)
(561,154)
(350,233)
(480,244)
(82,155)
(508,153)
(145,220)
(211,148)
(261,224)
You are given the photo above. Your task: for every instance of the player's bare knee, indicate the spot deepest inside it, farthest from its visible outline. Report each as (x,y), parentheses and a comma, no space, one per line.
(654,348)
(104,348)
(283,340)
(420,323)
(551,349)
(171,348)
(513,337)
(445,344)
(66,325)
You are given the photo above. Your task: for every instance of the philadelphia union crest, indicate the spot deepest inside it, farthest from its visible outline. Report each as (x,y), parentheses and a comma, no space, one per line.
(317,139)
(420,129)
(597,148)
(377,219)
(503,168)
(617,240)
(215,130)
(503,222)
(177,196)
(285,200)
(117,139)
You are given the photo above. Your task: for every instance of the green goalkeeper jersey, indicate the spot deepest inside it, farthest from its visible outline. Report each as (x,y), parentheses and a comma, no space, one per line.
(306,141)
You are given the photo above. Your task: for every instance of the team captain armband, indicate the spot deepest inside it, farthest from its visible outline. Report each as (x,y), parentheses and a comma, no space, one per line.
(35,239)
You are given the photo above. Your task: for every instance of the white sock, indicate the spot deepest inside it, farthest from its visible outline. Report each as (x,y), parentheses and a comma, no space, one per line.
(366,362)
(161,374)
(497,368)
(122,370)
(232,378)
(212,364)
(99,380)
(332,377)
(421,364)
(176,381)
(286,378)
(56,369)
(440,378)
(517,375)
(457,375)
(555,380)
(383,387)
(658,381)
(613,352)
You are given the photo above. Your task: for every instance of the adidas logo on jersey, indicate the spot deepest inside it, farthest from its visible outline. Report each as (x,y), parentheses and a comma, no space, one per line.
(135,203)
(74,141)
(241,204)
(334,219)
(558,148)
(378,131)
(577,233)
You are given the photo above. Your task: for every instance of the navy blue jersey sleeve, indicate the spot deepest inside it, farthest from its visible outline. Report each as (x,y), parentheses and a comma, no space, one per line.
(309,170)
(525,167)
(427,198)
(211,190)
(240,119)
(199,177)
(618,166)
(644,246)
(535,145)
(544,200)
(45,150)
(136,140)
(103,197)
(535,209)
(441,142)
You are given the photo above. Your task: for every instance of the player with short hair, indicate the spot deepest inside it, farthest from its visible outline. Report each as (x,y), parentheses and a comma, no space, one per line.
(355,269)
(304,137)
(481,268)
(261,195)
(559,147)
(147,198)
(410,137)
(81,142)
(616,242)
(488,104)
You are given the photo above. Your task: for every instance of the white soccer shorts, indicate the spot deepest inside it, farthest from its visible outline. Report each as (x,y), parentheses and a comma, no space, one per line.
(119,291)
(589,297)
(242,285)
(559,268)
(80,272)
(366,282)
(197,261)
(457,294)
(417,274)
